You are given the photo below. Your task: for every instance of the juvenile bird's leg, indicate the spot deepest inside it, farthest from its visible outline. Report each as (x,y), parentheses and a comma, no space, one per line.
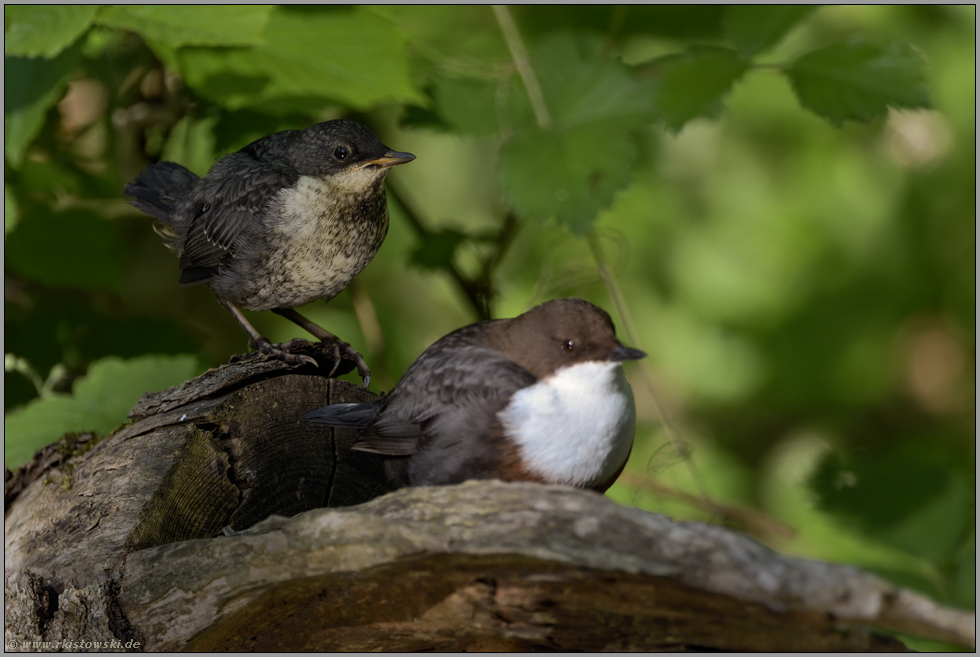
(325,336)
(262,343)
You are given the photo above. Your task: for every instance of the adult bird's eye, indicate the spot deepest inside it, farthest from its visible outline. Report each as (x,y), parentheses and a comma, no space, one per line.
(341,153)
(568,345)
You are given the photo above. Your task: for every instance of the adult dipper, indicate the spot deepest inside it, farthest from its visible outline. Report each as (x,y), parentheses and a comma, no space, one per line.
(289,219)
(540,397)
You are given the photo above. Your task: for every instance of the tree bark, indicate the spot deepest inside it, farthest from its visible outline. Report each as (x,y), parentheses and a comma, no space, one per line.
(173,533)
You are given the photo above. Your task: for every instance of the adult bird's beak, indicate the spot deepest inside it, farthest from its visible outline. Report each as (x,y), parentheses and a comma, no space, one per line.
(390,159)
(621,353)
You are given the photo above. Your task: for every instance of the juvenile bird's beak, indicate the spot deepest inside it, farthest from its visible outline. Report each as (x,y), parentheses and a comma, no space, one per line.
(621,353)
(390,159)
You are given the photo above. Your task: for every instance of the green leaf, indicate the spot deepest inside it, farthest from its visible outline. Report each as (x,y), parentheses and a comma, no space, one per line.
(581,86)
(754,28)
(44,30)
(694,83)
(572,170)
(31,87)
(10,212)
(468,105)
(464,39)
(859,81)
(674,21)
(966,575)
(75,249)
(191,25)
(876,495)
(424,118)
(875,492)
(100,402)
(437,249)
(571,175)
(191,143)
(354,57)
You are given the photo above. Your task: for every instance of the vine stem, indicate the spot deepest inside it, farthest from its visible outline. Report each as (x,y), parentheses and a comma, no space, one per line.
(521,60)
(612,286)
(523,63)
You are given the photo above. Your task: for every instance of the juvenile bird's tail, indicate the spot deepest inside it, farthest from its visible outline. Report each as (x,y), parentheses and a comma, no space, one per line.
(354,416)
(158,188)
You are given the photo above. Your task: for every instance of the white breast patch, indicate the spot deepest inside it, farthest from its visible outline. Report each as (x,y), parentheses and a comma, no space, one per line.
(575,427)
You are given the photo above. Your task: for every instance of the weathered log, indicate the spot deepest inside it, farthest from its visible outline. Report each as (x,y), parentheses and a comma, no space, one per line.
(148,538)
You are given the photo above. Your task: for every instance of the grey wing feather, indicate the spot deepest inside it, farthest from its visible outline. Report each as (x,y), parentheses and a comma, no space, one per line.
(233,194)
(448,392)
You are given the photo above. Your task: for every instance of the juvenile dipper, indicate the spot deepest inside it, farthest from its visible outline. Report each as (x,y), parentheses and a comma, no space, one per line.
(540,397)
(289,219)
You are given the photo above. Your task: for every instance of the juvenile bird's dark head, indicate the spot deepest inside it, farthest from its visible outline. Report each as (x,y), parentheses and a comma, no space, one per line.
(342,147)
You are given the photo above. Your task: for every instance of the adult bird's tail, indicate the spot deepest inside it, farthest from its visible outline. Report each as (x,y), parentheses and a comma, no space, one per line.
(354,416)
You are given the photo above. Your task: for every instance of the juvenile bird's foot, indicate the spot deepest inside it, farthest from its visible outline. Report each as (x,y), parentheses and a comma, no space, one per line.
(282,351)
(340,350)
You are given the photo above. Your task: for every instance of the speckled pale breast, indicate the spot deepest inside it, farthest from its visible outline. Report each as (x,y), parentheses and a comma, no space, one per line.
(325,232)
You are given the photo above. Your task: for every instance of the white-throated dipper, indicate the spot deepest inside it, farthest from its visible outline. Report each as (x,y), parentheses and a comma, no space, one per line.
(540,397)
(289,219)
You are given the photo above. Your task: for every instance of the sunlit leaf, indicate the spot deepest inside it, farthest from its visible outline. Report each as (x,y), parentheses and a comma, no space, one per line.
(191,143)
(570,175)
(694,83)
(571,169)
(859,81)
(754,28)
(31,87)
(354,57)
(462,39)
(100,402)
(35,30)
(581,86)
(191,25)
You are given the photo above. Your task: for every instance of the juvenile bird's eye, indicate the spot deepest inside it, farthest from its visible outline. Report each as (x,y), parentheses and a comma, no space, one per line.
(341,153)
(568,345)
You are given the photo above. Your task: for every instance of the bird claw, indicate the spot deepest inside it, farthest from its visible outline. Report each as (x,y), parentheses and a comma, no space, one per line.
(282,351)
(338,350)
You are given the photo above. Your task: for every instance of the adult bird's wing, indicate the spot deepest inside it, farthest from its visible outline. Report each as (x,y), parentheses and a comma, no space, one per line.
(231,197)
(449,392)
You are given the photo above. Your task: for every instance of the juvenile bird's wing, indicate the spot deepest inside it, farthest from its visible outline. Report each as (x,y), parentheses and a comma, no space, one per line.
(447,394)
(233,195)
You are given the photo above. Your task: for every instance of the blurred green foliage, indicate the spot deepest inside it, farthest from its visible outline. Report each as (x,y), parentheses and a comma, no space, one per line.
(786,196)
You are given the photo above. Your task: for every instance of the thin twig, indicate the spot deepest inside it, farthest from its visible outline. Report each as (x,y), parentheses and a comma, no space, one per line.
(466,285)
(504,239)
(523,63)
(744,518)
(623,311)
